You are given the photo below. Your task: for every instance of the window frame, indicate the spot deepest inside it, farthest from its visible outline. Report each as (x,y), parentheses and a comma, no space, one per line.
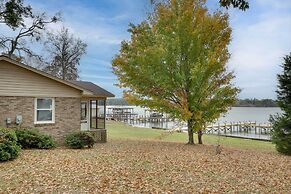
(52,109)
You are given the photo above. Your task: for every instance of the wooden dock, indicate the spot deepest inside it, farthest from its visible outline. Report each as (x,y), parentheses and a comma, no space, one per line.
(121,114)
(240,127)
(248,130)
(125,114)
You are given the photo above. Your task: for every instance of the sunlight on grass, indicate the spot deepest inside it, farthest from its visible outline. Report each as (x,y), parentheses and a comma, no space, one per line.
(117,130)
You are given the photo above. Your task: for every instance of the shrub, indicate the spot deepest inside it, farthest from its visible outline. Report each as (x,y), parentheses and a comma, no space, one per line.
(32,138)
(78,140)
(27,138)
(9,149)
(46,142)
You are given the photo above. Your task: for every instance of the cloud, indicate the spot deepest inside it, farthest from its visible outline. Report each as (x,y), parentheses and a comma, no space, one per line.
(259,43)
(275,4)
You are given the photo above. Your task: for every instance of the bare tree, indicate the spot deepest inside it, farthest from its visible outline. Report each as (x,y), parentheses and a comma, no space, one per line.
(17,45)
(65,53)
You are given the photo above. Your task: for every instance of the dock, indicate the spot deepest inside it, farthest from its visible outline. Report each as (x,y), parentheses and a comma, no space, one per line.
(125,114)
(247,130)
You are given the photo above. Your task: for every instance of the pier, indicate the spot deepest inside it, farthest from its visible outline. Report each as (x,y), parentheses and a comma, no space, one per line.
(120,114)
(125,114)
(248,130)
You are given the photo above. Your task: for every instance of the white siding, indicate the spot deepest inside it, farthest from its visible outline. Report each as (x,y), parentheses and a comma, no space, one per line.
(17,81)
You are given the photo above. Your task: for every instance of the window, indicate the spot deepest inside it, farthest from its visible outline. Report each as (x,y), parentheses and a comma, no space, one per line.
(83,111)
(44,110)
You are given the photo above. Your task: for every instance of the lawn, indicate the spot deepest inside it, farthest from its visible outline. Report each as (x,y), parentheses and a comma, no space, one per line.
(136,160)
(117,130)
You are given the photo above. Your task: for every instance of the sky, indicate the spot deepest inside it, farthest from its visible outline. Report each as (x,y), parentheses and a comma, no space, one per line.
(261,37)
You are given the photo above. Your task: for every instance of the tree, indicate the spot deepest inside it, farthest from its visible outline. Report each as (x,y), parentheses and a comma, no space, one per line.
(281,134)
(65,52)
(176,61)
(241,4)
(17,45)
(13,12)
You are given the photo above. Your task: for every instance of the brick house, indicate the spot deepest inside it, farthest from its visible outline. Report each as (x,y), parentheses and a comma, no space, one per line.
(30,98)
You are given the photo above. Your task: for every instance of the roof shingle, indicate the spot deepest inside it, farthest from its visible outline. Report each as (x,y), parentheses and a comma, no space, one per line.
(95,89)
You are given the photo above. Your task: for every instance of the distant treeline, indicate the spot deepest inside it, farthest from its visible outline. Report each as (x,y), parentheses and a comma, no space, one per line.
(241,103)
(256,103)
(117,102)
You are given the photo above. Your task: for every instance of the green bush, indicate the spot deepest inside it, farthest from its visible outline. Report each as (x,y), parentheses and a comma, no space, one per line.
(27,138)
(32,138)
(78,140)
(9,149)
(46,142)
(281,134)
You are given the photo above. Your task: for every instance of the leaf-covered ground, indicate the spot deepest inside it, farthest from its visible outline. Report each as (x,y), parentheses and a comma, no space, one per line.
(130,166)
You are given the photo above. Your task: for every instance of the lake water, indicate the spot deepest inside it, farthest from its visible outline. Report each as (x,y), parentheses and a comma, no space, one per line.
(235,114)
(260,115)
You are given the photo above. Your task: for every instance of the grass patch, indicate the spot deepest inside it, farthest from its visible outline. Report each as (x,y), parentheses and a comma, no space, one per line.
(118,130)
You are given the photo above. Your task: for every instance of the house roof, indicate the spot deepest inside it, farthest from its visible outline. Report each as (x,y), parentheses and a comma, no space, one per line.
(92,91)
(95,89)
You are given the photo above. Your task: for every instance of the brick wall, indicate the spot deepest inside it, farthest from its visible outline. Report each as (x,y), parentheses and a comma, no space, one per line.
(67,114)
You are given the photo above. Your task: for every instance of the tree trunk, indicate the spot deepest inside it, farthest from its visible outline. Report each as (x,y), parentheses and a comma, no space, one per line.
(190,132)
(12,49)
(199,133)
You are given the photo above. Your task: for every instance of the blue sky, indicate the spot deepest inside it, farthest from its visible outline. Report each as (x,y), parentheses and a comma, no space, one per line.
(261,37)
